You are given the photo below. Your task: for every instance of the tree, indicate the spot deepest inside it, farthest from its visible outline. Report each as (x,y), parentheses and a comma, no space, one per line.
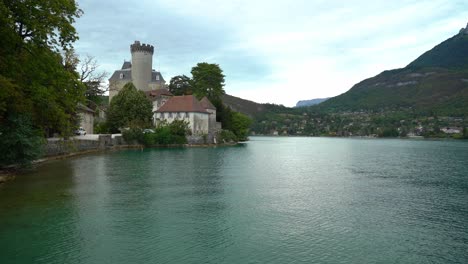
(129,108)
(37,84)
(239,125)
(180,85)
(92,79)
(208,80)
(25,144)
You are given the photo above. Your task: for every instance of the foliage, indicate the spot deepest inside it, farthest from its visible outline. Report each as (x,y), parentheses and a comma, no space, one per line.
(449,54)
(23,142)
(208,80)
(133,135)
(179,128)
(92,78)
(164,134)
(101,128)
(239,125)
(37,82)
(389,132)
(180,85)
(226,136)
(41,23)
(129,107)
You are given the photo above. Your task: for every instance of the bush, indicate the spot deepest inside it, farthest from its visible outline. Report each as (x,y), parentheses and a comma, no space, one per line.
(101,128)
(164,134)
(226,136)
(180,128)
(133,135)
(21,142)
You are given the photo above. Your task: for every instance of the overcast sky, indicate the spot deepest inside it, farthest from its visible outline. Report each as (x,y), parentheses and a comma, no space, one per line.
(276,51)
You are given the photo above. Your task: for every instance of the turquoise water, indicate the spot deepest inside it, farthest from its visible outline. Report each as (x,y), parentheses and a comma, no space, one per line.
(271,200)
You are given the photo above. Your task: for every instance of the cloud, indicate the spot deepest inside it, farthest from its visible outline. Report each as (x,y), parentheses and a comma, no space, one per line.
(280,51)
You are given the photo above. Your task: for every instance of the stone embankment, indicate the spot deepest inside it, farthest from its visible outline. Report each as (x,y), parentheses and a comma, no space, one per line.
(58,148)
(82,144)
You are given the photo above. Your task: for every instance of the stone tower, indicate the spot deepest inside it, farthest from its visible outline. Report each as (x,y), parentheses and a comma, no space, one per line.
(139,71)
(142,63)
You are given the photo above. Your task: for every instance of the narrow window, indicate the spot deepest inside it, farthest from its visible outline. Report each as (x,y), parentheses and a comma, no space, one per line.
(121,76)
(157,77)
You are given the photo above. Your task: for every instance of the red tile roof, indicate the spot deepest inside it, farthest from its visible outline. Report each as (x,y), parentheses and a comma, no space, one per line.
(207,104)
(153,94)
(184,103)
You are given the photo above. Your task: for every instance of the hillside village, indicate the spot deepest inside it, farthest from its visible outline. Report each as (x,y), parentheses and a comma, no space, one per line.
(360,123)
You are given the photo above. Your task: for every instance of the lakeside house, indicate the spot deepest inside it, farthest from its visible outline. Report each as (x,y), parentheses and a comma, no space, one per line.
(200,115)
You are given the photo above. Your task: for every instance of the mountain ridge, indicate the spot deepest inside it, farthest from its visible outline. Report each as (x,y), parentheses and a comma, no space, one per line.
(436,82)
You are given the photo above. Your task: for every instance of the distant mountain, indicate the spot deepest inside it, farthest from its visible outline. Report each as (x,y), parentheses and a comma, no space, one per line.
(251,108)
(247,107)
(310,102)
(436,82)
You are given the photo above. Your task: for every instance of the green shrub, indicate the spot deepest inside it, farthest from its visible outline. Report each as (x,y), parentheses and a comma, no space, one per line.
(101,128)
(226,136)
(133,134)
(163,135)
(20,142)
(179,127)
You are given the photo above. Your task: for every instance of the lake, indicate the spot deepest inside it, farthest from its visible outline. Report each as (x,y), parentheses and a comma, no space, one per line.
(270,200)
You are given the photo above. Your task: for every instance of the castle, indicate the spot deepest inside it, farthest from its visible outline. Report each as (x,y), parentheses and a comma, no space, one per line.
(200,114)
(139,71)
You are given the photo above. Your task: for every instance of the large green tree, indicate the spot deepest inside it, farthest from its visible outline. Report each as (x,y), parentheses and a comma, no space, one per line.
(129,108)
(208,80)
(239,125)
(37,83)
(180,85)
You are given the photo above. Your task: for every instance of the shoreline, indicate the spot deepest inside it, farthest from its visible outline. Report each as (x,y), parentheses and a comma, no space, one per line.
(10,172)
(362,137)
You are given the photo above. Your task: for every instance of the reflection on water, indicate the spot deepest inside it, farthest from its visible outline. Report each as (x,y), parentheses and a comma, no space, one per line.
(271,200)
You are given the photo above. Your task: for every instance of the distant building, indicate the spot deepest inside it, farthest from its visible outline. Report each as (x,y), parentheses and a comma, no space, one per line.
(139,71)
(451,130)
(86,116)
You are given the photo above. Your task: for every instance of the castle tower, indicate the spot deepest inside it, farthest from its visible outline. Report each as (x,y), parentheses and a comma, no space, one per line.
(142,63)
(139,71)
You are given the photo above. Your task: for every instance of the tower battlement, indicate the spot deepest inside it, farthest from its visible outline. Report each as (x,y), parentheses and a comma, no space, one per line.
(138,47)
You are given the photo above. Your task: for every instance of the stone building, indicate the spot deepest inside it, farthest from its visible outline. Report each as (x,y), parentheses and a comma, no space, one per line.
(86,116)
(211,109)
(139,71)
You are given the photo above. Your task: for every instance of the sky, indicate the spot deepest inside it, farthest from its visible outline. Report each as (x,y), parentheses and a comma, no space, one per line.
(276,51)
